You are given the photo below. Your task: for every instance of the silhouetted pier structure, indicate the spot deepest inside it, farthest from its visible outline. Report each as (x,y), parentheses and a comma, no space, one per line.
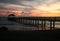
(35,21)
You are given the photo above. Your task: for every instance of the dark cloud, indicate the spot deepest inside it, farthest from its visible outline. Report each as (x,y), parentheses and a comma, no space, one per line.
(6,6)
(13,1)
(17,2)
(10,1)
(31,4)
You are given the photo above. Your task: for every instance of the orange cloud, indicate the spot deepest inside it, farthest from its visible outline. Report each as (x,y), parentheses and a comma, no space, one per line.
(33,13)
(38,12)
(44,13)
(7,12)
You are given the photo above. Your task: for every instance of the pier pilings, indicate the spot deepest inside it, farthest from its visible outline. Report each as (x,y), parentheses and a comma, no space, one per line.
(35,21)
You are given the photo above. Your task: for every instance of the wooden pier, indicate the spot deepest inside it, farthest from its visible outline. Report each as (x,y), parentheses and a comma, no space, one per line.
(35,21)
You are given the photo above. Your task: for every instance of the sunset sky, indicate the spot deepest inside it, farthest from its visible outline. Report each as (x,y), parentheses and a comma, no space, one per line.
(30,7)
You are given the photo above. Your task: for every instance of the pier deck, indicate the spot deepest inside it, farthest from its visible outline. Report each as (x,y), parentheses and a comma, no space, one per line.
(35,21)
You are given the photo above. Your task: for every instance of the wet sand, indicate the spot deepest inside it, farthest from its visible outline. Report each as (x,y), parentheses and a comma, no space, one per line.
(35,28)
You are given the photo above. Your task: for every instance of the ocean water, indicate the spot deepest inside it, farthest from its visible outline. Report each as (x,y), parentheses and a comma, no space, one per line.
(14,26)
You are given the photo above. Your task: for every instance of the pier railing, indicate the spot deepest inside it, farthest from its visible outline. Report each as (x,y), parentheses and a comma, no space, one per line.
(35,21)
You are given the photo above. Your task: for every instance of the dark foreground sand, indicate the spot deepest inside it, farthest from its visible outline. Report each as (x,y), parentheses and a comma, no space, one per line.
(46,35)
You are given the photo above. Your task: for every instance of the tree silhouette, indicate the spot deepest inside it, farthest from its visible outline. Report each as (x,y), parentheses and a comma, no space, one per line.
(10,17)
(3,28)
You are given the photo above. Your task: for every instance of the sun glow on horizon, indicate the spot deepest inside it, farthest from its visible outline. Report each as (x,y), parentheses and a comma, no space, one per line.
(53,8)
(32,7)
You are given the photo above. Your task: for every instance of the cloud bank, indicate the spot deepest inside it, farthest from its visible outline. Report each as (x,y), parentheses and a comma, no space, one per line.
(44,5)
(28,3)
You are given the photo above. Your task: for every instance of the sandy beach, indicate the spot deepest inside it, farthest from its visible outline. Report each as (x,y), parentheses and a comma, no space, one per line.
(49,35)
